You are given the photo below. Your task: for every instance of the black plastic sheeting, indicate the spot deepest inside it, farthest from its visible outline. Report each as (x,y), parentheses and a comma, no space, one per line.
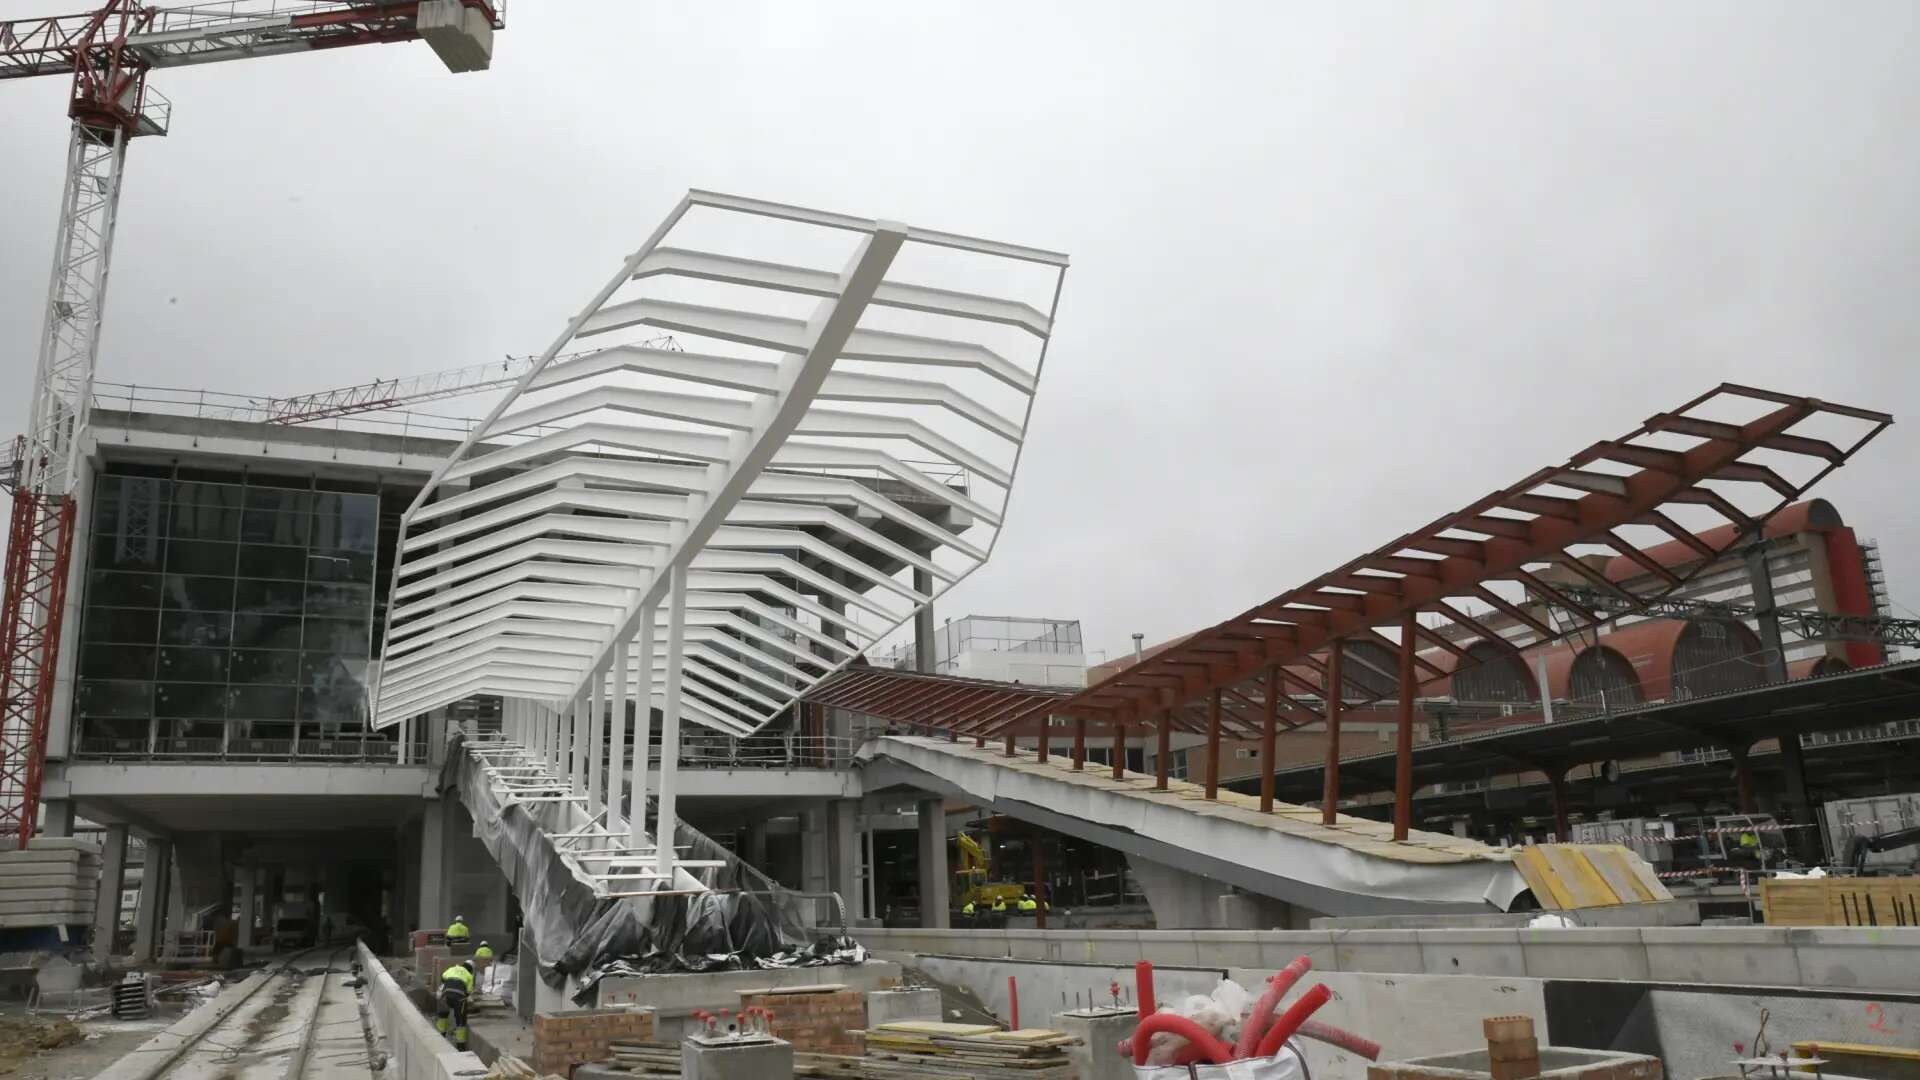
(746,922)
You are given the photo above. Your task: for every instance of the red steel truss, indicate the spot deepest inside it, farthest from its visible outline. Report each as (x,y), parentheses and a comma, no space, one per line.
(39,543)
(1400,617)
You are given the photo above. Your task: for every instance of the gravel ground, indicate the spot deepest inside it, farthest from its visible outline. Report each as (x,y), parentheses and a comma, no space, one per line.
(102,1042)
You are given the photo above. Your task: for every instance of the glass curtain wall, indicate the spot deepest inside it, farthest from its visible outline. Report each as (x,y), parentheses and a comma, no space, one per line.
(227,615)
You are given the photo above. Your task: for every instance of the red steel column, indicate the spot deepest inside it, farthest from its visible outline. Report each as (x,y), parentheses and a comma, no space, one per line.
(1213,745)
(1403,737)
(1267,740)
(1163,751)
(1562,827)
(1079,743)
(1009,742)
(1041,749)
(1330,796)
(1119,748)
(1743,777)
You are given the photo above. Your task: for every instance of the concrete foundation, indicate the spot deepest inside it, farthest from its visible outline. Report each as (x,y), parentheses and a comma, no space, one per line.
(1556,1063)
(891,1006)
(1099,1030)
(758,1057)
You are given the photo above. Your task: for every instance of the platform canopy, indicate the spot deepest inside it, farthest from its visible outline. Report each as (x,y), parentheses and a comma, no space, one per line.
(830,446)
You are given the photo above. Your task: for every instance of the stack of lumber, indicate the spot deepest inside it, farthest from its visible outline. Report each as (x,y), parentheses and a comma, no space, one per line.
(53,881)
(928,1050)
(910,1050)
(1841,901)
(647,1059)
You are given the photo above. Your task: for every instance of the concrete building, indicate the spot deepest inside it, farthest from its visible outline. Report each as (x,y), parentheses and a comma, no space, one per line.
(223,624)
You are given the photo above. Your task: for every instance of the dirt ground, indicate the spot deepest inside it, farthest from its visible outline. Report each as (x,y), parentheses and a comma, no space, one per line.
(47,1048)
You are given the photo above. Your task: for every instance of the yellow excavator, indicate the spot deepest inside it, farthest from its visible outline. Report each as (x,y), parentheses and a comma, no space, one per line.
(972,870)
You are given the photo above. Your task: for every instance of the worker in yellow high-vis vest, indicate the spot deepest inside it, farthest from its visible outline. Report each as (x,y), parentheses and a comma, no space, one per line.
(456,986)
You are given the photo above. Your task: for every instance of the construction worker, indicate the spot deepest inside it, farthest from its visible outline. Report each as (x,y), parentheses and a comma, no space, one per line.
(968,911)
(483,952)
(456,986)
(1028,905)
(458,935)
(1000,905)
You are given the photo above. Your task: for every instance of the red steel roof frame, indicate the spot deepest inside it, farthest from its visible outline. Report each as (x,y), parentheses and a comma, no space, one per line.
(1519,528)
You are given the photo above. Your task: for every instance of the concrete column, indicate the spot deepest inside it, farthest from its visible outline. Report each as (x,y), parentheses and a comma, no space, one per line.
(935,883)
(670,720)
(152,912)
(249,901)
(756,852)
(814,877)
(437,737)
(923,651)
(843,852)
(56,817)
(433,898)
(113,878)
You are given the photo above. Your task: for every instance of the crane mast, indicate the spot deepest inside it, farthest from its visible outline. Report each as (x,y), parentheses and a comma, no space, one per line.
(108,53)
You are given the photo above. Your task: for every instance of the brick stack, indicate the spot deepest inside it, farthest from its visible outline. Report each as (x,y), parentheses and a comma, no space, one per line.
(566,1039)
(428,962)
(815,1019)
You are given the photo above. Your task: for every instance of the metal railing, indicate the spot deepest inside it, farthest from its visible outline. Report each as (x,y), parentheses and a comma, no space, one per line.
(346,750)
(771,751)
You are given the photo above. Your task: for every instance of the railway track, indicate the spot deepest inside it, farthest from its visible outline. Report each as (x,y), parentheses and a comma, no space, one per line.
(295,1021)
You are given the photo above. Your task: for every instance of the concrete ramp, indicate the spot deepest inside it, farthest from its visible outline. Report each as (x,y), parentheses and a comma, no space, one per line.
(1352,867)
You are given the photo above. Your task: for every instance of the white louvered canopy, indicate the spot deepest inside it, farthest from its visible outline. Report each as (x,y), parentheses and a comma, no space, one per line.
(833,449)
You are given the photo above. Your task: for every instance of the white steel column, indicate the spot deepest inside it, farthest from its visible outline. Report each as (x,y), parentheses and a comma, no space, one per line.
(577,746)
(642,726)
(617,751)
(670,722)
(596,743)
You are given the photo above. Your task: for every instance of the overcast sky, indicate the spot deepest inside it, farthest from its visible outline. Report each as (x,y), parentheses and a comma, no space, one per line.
(1337,269)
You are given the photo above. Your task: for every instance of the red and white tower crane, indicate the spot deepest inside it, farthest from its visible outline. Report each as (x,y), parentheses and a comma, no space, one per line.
(108,53)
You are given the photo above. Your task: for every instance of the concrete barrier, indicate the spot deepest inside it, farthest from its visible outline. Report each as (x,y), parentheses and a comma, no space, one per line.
(415,1050)
(1884,958)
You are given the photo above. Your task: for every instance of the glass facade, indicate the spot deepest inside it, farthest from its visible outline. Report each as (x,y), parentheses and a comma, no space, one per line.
(227,614)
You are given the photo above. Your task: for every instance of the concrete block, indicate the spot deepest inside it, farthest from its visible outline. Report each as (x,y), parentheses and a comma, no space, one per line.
(1030,945)
(1878,958)
(1278,948)
(1224,948)
(1739,955)
(1175,948)
(1117,947)
(1471,952)
(1099,1031)
(755,1058)
(889,1006)
(1585,953)
(1379,951)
